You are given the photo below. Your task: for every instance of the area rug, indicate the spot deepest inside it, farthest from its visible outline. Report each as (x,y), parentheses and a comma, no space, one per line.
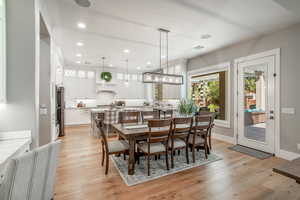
(251,152)
(158,167)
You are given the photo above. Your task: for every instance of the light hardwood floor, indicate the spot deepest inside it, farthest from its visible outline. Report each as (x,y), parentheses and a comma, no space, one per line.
(237,176)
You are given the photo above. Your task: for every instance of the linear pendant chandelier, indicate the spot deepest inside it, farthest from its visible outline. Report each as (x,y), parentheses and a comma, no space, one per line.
(161,77)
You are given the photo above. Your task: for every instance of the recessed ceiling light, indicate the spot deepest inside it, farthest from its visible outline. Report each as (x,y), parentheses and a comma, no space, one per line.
(126,51)
(138,68)
(110,65)
(148,63)
(205,36)
(163,56)
(80,44)
(81,25)
(79,55)
(199,47)
(78,62)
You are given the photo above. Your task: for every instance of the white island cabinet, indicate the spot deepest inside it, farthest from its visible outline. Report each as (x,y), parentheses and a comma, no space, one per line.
(77,116)
(2,53)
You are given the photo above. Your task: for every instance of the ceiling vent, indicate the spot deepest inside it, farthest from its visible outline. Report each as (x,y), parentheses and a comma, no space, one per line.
(83,3)
(198,47)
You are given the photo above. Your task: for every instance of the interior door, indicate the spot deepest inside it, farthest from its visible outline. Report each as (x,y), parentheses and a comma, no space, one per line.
(256,94)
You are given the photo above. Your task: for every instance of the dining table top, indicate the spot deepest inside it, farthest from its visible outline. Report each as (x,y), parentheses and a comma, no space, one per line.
(135,129)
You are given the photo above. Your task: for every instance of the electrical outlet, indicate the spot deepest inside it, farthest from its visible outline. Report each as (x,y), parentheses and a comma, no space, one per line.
(298,147)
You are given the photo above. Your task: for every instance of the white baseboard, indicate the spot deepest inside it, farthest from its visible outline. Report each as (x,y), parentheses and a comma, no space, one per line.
(223,138)
(287,155)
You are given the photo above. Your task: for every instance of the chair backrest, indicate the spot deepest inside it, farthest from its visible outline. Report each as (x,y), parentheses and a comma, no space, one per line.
(182,125)
(31,176)
(102,134)
(159,130)
(100,116)
(53,163)
(168,114)
(149,115)
(203,122)
(129,117)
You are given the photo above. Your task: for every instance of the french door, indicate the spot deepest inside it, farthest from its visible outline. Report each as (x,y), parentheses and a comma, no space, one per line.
(256,101)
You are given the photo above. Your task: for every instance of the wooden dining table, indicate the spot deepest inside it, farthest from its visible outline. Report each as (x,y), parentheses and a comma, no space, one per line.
(132,132)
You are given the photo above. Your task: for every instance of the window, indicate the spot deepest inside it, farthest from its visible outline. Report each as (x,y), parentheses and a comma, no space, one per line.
(81,74)
(70,73)
(134,77)
(208,92)
(120,76)
(90,74)
(209,88)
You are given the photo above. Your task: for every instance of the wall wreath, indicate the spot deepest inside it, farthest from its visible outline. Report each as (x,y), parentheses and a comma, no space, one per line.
(106,76)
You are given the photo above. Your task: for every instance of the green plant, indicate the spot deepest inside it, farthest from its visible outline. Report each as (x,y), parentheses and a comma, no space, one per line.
(213,107)
(213,92)
(106,76)
(250,84)
(187,107)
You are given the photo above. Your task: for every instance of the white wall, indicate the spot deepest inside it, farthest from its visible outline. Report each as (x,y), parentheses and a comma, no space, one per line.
(288,41)
(45,100)
(22,49)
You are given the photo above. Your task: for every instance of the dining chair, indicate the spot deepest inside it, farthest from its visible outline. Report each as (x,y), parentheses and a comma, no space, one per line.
(115,147)
(213,115)
(129,117)
(31,176)
(167,114)
(157,140)
(199,134)
(180,136)
(149,115)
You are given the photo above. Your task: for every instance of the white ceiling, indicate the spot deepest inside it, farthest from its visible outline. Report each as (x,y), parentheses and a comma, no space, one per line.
(115,25)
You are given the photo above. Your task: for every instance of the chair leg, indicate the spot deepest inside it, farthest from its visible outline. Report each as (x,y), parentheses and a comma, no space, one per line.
(205,149)
(107,164)
(138,156)
(103,156)
(172,158)
(187,154)
(148,164)
(209,141)
(194,157)
(167,159)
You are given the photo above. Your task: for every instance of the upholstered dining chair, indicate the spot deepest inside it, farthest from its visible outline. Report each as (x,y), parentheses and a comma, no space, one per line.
(166,114)
(129,117)
(213,115)
(157,140)
(180,136)
(31,176)
(149,115)
(199,134)
(110,147)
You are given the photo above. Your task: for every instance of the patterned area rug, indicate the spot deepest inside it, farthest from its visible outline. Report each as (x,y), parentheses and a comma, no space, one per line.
(158,167)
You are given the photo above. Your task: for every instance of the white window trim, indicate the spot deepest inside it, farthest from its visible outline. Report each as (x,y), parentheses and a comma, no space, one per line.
(214,69)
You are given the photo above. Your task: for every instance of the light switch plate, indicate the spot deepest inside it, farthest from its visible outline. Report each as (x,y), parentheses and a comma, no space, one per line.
(290,111)
(298,146)
(43,111)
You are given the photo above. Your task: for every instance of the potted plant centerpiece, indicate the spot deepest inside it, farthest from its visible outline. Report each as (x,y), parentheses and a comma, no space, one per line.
(187,108)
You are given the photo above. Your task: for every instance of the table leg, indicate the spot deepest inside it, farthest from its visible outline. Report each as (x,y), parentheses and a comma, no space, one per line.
(131,160)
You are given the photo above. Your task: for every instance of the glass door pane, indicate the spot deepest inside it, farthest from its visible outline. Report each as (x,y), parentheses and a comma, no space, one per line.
(255,101)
